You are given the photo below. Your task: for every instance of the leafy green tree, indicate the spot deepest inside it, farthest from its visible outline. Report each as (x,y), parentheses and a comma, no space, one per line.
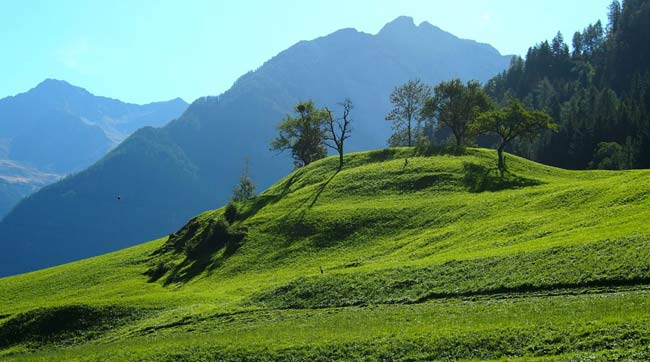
(302,135)
(456,106)
(610,156)
(337,130)
(511,122)
(245,189)
(408,100)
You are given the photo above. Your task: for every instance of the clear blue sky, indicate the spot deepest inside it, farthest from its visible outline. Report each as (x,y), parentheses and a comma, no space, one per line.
(142,51)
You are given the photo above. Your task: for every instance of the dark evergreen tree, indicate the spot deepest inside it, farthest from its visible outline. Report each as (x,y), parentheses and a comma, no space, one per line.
(598,92)
(245,189)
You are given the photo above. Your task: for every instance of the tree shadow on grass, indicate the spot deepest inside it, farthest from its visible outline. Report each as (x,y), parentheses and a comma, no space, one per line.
(382,155)
(260,201)
(204,245)
(478,178)
(439,150)
(322,187)
(300,209)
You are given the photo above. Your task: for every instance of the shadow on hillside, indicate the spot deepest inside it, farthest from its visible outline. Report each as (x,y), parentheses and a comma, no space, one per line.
(300,209)
(437,150)
(322,187)
(63,324)
(382,155)
(478,178)
(260,201)
(203,246)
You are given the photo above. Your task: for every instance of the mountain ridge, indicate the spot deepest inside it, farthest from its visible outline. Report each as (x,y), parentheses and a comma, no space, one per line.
(57,128)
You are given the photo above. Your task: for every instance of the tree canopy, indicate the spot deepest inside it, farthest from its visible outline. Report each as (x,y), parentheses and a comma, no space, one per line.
(511,122)
(406,115)
(302,135)
(456,105)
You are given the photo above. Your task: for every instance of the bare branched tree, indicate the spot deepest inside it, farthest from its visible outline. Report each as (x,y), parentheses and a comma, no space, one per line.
(337,130)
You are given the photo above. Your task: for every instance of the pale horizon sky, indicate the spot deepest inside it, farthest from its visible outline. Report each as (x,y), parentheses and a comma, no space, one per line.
(143,51)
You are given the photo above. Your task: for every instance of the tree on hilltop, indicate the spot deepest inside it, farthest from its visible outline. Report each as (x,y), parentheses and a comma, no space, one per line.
(302,135)
(408,100)
(510,122)
(337,130)
(456,106)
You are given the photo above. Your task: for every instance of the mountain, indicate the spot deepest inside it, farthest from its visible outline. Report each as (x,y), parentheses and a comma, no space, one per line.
(56,129)
(61,128)
(163,176)
(17,181)
(437,260)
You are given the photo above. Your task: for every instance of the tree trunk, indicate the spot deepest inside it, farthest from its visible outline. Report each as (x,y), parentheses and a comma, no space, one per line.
(340,158)
(409,133)
(502,165)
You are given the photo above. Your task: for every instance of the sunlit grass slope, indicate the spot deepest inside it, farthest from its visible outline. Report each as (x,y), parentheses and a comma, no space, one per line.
(398,256)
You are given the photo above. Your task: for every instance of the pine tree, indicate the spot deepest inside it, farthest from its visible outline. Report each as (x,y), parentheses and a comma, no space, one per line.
(245,190)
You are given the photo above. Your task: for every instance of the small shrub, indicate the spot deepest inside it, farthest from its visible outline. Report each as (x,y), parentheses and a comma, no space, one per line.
(231,212)
(213,237)
(384,154)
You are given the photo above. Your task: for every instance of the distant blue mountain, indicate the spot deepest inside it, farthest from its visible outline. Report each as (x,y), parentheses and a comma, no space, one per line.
(56,129)
(164,176)
(61,128)
(17,181)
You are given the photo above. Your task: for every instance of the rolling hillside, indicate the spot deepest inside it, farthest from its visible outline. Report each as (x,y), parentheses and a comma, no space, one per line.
(167,175)
(432,259)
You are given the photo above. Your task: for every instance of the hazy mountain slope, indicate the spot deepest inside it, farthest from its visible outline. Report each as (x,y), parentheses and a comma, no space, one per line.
(57,128)
(437,260)
(17,181)
(216,134)
(62,128)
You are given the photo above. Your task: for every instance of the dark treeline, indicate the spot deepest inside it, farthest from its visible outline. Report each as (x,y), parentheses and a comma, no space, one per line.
(597,91)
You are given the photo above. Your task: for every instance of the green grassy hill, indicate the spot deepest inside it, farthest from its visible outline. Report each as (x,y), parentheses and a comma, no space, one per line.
(431,259)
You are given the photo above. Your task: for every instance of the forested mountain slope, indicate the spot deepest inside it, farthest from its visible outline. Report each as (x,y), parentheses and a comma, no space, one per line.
(595,85)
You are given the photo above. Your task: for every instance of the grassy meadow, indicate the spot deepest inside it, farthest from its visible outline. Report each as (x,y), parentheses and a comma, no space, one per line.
(399,256)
